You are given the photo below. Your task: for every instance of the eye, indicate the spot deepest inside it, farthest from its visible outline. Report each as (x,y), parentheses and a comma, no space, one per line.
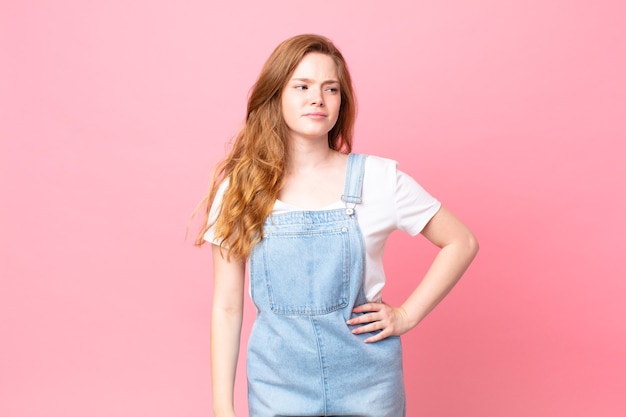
(301,87)
(332,89)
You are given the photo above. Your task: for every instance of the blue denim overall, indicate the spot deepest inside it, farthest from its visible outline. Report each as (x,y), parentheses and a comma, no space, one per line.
(306,276)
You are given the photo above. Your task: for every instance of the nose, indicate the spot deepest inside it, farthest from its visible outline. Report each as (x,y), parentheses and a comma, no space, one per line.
(316,97)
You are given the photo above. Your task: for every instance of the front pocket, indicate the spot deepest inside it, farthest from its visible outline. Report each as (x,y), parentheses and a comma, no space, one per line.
(307,272)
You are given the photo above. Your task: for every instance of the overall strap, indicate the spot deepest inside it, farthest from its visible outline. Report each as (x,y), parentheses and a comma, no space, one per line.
(354,179)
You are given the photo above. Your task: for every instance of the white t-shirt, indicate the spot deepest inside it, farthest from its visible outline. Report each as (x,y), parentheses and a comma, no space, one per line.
(391,200)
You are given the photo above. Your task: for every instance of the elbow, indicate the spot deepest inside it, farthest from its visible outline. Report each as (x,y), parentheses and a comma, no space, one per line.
(228,310)
(471,245)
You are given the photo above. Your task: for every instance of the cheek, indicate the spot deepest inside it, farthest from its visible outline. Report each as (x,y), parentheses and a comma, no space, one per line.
(337,105)
(289,103)
(285,107)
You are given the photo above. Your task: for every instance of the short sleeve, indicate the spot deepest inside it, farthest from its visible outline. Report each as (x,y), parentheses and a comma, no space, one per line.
(216,207)
(414,205)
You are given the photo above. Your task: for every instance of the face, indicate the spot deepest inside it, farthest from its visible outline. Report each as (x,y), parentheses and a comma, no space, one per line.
(311,98)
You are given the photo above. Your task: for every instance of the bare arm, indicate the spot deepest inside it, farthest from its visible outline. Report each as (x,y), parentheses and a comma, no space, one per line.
(458,248)
(226,319)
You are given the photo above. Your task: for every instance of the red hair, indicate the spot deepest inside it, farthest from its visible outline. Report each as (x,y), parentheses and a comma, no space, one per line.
(256,163)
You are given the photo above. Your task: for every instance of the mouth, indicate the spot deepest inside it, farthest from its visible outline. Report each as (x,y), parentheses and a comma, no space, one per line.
(316,115)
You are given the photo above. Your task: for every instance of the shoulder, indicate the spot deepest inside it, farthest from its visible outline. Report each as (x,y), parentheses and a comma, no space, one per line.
(223,185)
(383,176)
(219,195)
(379,169)
(378,162)
(379,178)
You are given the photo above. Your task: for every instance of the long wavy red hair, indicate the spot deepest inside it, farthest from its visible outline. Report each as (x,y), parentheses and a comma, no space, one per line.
(256,163)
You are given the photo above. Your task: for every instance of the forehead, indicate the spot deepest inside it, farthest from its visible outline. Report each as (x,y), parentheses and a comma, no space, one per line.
(316,66)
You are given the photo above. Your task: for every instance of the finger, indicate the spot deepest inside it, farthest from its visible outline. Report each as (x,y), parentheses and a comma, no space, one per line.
(367,328)
(377,337)
(370,307)
(363,319)
(367,307)
(370,327)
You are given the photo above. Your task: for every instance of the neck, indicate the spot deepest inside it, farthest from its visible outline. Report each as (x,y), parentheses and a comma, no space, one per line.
(308,155)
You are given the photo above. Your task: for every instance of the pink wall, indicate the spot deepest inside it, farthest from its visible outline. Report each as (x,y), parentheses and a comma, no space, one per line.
(111,114)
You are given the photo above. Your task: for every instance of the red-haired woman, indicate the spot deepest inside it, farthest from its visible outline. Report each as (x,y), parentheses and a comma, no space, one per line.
(311,220)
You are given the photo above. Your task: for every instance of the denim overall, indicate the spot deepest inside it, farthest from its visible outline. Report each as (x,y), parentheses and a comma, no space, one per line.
(306,276)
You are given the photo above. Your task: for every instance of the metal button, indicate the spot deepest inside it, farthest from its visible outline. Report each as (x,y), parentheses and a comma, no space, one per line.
(349,211)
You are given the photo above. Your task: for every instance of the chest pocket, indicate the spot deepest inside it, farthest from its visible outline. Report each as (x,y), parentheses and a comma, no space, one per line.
(307,271)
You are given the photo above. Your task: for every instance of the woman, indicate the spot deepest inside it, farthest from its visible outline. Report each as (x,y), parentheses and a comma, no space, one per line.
(311,220)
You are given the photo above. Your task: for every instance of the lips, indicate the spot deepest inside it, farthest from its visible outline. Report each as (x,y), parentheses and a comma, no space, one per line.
(316,115)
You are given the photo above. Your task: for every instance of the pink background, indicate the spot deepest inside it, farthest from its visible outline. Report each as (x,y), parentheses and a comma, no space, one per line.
(513,113)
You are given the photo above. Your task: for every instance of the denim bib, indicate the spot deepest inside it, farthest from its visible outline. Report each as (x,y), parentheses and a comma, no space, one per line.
(306,276)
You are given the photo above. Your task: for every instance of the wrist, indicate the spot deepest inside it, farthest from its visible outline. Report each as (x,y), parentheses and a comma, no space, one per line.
(410,320)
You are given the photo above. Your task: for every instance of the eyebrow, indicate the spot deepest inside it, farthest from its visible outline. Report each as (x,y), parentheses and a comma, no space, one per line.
(308,80)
